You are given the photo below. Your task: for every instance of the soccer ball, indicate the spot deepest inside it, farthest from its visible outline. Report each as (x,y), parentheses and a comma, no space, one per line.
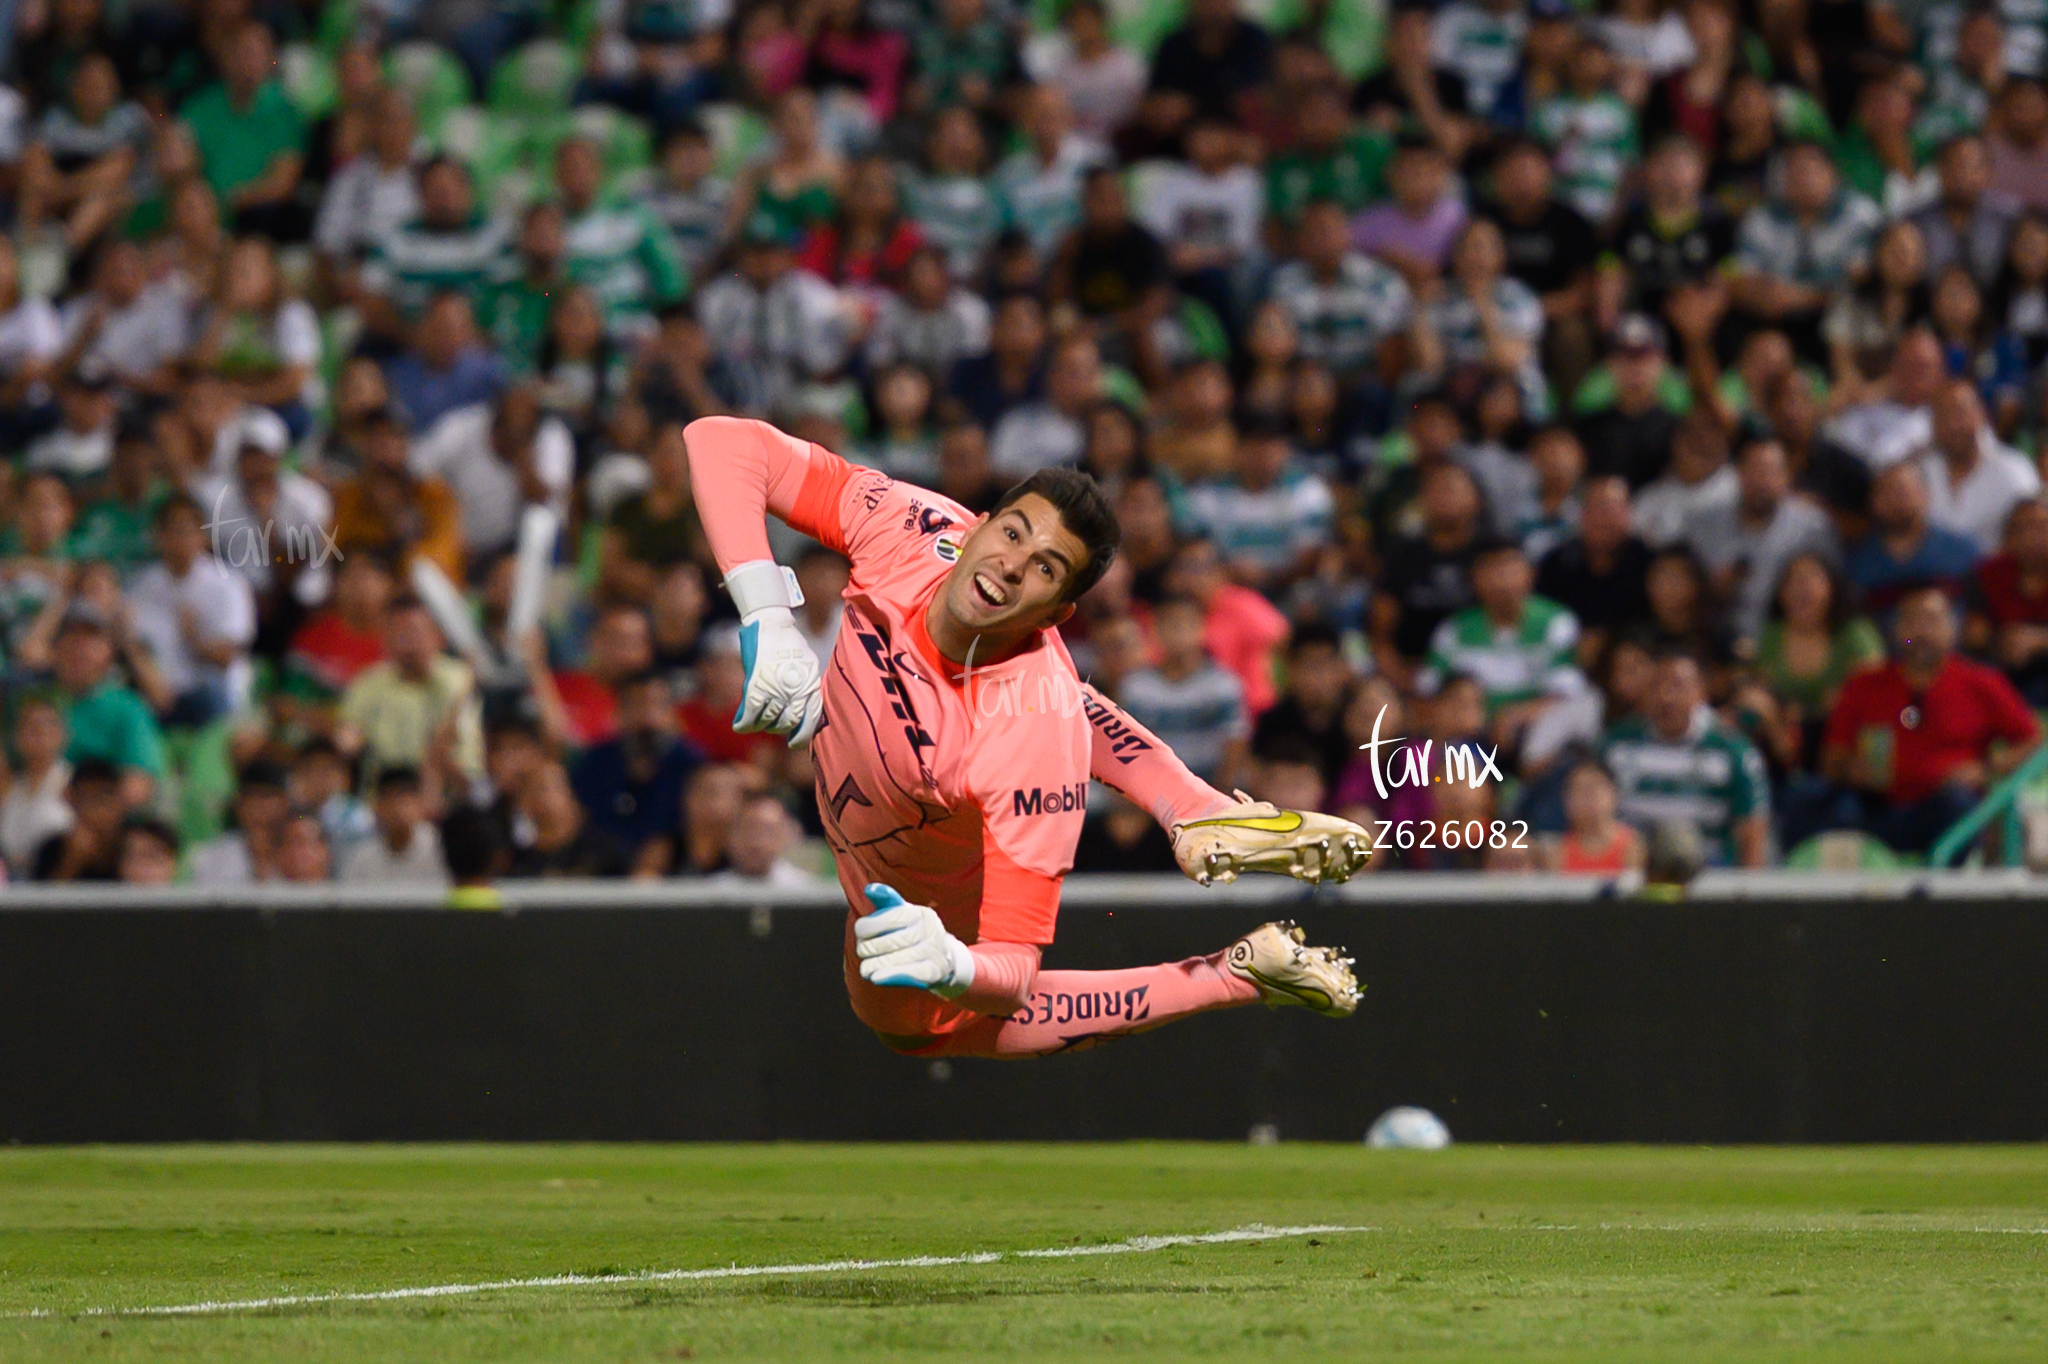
(1408,1129)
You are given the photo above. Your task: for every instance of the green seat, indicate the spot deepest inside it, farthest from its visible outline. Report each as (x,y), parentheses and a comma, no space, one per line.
(202,779)
(739,136)
(308,80)
(625,143)
(432,79)
(537,79)
(1846,850)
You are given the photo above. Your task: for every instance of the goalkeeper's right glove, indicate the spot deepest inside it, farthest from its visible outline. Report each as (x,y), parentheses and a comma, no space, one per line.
(907,945)
(783,693)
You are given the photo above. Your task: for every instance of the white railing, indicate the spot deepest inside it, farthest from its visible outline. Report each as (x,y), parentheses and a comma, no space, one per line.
(1081,892)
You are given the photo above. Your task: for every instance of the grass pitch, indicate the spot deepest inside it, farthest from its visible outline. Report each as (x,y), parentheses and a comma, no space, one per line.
(1566,1253)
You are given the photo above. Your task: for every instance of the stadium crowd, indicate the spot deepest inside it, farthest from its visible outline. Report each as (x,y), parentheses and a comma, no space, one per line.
(1644,394)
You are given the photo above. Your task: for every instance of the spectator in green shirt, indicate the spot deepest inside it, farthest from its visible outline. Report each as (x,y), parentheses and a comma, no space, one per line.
(1331,160)
(1679,763)
(106,719)
(251,140)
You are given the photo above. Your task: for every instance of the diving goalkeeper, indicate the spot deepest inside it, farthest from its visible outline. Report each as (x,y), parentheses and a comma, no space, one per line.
(953,744)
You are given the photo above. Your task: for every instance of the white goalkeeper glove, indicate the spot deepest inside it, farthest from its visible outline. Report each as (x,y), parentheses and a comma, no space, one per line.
(906,945)
(784,692)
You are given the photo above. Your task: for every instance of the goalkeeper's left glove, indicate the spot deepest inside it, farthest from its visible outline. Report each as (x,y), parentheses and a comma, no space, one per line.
(906,945)
(782,693)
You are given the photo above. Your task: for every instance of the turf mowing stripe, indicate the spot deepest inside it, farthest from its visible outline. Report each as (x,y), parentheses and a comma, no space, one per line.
(1135,1245)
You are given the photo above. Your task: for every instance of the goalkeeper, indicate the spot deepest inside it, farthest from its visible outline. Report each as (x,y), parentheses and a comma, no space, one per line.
(953,744)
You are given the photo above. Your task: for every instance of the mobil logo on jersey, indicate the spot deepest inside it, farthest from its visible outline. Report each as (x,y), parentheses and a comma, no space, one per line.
(1057,800)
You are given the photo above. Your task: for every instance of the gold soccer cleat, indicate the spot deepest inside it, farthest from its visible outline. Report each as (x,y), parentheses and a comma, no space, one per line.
(1275,958)
(1256,836)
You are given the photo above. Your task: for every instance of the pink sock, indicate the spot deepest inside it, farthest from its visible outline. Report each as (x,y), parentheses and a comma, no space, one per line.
(1073,1010)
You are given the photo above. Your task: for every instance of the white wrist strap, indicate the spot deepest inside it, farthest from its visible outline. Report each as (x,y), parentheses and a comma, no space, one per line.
(760,584)
(963,970)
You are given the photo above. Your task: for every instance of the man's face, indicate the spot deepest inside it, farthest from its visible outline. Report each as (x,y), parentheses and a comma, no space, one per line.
(1636,373)
(249,58)
(412,639)
(1965,173)
(1899,501)
(1317,675)
(1916,369)
(621,644)
(145,861)
(38,735)
(1763,477)
(1013,570)
(1958,417)
(302,851)
(541,240)
(647,709)
(1603,519)
(1523,180)
(398,809)
(1809,180)
(83,655)
(1325,236)
(1502,581)
(181,538)
(2026,534)
(445,197)
(1675,694)
(2024,111)
(1019,329)
(1418,178)
(1075,380)
(96,804)
(1674,175)
(1926,629)
(1450,500)
(576,173)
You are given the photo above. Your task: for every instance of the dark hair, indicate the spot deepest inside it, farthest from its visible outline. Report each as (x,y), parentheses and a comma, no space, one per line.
(1084,511)
(399,777)
(150,827)
(93,771)
(1315,634)
(172,505)
(471,843)
(1839,593)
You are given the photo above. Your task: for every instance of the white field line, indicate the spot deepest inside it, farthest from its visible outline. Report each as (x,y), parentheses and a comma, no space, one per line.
(1134,1246)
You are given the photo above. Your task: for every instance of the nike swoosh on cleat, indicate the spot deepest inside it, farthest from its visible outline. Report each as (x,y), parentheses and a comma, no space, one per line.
(1285,823)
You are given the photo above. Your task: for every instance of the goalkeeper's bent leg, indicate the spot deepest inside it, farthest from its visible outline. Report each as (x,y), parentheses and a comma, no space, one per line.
(1075,1010)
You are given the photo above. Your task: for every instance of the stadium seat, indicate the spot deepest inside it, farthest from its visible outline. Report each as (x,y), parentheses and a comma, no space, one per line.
(537,79)
(433,79)
(309,82)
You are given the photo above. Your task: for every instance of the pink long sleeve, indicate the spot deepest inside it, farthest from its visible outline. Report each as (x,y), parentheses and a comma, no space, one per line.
(1130,759)
(1004,973)
(740,470)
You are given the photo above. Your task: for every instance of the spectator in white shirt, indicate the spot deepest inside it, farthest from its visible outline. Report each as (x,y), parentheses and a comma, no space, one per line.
(776,325)
(82,446)
(34,808)
(127,326)
(250,851)
(273,527)
(498,460)
(761,836)
(263,345)
(29,342)
(1207,211)
(375,194)
(406,848)
(1746,547)
(197,618)
(932,323)
(1973,479)
(1895,422)
(1698,486)
(1054,429)
(1102,81)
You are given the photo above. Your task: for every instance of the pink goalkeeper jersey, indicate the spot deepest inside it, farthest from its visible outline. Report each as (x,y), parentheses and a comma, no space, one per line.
(965,793)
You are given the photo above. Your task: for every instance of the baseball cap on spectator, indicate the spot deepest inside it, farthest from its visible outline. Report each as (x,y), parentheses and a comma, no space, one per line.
(1638,334)
(262,774)
(263,429)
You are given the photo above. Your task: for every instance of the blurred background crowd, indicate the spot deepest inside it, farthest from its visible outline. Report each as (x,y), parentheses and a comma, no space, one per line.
(1645,395)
